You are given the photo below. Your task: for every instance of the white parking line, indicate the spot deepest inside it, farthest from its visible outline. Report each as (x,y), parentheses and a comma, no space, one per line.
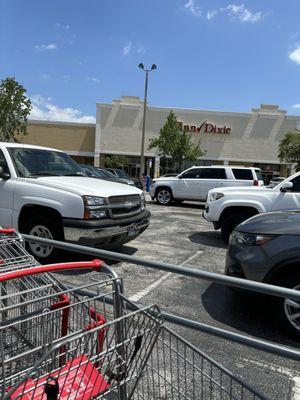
(295,380)
(271,367)
(296,388)
(142,293)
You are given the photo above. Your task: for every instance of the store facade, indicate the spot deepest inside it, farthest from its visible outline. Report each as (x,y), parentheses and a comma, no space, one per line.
(249,139)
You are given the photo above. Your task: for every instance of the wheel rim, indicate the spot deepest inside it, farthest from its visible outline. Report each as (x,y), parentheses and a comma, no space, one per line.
(39,249)
(292,311)
(164,196)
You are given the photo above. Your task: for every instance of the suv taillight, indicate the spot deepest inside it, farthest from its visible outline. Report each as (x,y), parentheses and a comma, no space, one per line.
(255,182)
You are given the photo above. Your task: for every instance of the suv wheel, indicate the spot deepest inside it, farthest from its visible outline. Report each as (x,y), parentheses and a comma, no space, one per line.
(230,222)
(164,196)
(44,227)
(288,310)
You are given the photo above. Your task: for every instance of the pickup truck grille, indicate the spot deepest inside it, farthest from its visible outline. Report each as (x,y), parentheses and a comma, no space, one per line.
(124,206)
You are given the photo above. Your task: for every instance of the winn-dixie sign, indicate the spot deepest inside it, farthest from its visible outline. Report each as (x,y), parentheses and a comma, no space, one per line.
(206,127)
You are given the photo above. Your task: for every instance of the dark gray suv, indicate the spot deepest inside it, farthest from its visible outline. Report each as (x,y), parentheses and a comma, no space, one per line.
(266,248)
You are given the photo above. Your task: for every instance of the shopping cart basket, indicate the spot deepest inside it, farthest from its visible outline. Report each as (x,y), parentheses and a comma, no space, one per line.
(74,346)
(87,343)
(12,251)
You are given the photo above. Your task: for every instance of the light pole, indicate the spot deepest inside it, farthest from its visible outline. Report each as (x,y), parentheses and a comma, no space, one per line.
(142,162)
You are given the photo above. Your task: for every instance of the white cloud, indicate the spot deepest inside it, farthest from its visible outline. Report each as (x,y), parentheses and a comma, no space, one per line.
(141,49)
(240,12)
(44,47)
(43,109)
(92,79)
(59,25)
(295,55)
(236,11)
(296,105)
(191,7)
(211,14)
(127,49)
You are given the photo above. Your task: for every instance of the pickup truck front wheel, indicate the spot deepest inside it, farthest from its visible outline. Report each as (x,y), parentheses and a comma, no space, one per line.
(44,227)
(230,222)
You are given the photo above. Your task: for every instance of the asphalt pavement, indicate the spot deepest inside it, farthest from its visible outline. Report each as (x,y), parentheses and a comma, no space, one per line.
(179,235)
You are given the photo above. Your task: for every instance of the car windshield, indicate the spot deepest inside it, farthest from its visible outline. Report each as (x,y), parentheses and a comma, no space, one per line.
(122,174)
(37,162)
(106,174)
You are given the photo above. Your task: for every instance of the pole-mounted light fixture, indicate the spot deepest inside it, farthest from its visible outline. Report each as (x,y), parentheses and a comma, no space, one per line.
(142,163)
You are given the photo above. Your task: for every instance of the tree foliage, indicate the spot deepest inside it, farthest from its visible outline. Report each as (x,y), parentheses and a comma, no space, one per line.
(14,109)
(175,143)
(289,148)
(116,161)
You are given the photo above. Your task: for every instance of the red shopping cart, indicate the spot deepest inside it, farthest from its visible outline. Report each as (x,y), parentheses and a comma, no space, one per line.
(90,342)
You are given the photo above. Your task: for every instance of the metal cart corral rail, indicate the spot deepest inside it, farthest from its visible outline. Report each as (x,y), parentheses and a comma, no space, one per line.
(59,343)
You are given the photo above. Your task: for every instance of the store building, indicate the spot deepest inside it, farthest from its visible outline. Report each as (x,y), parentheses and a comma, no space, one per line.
(249,139)
(76,139)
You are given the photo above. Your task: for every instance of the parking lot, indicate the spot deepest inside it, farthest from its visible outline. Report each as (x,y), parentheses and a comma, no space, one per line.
(179,235)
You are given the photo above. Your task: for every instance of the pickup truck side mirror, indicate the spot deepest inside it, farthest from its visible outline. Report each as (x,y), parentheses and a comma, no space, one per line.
(286,187)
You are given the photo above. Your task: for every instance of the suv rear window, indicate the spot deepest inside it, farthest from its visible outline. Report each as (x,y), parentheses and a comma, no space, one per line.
(240,173)
(213,173)
(259,175)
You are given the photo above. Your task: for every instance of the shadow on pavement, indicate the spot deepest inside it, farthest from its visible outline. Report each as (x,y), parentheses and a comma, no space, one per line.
(248,313)
(183,205)
(210,238)
(66,256)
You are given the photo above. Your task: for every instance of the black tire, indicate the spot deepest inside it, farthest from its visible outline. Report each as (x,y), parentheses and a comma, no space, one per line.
(176,201)
(282,309)
(43,226)
(230,222)
(164,196)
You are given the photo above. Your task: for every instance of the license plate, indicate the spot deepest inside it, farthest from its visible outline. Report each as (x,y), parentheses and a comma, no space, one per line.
(132,230)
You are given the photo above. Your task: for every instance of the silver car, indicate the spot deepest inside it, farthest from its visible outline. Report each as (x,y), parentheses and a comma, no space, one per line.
(266,248)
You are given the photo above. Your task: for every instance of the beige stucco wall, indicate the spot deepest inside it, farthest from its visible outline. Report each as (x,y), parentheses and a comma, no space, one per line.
(63,136)
(254,136)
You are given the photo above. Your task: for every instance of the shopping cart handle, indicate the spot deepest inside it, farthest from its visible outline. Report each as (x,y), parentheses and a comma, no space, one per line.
(7,231)
(95,264)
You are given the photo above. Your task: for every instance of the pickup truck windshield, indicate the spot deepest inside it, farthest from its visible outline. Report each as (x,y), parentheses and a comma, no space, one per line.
(35,162)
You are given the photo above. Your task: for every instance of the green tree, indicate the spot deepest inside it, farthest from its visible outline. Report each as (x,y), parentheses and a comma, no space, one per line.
(116,161)
(14,109)
(289,148)
(175,143)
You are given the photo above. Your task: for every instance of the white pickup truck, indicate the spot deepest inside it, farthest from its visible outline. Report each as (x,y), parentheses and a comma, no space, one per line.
(228,207)
(43,192)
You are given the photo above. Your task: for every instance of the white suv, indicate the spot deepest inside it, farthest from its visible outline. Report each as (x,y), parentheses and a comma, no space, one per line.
(195,182)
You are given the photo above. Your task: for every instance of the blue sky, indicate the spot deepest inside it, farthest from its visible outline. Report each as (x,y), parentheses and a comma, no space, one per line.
(210,54)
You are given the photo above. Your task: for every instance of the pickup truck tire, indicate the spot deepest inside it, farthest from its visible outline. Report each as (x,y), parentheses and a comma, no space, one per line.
(164,196)
(287,309)
(230,222)
(46,227)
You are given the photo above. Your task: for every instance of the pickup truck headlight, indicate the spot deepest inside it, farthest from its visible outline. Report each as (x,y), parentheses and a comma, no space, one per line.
(143,201)
(215,196)
(94,207)
(94,201)
(251,239)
